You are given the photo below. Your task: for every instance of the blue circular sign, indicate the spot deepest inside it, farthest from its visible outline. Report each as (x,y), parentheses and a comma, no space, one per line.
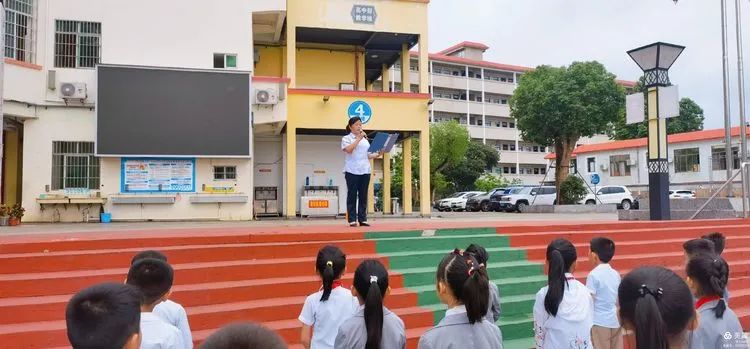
(595,178)
(360,109)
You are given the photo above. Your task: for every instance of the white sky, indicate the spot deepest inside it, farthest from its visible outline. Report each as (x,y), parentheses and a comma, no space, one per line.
(559,32)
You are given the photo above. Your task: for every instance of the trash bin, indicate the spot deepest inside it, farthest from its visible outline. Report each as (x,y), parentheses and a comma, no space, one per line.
(395,206)
(105,217)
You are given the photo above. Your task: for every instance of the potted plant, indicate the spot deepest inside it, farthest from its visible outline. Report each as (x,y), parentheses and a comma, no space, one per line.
(16,213)
(4,211)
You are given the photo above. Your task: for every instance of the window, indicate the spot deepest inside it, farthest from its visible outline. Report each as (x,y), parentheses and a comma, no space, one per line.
(225,173)
(616,190)
(543,170)
(506,170)
(573,166)
(618,165)
(687,160)
(591,165)
(503,79)
(505,147)
(535,149)
(719,158)
(77,44)
(225,60)
(503,101)
(512,170)
(513,147)
(512,125)
(528,148)
(74,165)
(510,79)
(536,170)
(505,124)
(19,21)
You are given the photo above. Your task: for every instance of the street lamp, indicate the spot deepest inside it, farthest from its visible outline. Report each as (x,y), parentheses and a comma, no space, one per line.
(655,60)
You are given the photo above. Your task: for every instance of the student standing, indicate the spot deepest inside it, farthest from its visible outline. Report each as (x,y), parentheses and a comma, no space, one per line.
(106,315)
(481,255)
(603,282)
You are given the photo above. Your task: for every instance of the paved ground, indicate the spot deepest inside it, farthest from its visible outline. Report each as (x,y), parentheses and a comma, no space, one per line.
(445,219)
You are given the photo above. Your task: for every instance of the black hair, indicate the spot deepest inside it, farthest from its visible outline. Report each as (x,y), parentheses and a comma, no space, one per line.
(479,253)
(371,282)
(352,121)
(148,254)
(711,274)
(719,241)
(604,248)
(153,277)
(695,247)
(657,303)
(468,281)
(561,254)
(102,316)
(330,264)
(245,336)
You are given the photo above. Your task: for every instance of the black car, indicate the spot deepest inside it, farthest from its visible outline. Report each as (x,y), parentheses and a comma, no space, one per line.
(482,201)
(494,203)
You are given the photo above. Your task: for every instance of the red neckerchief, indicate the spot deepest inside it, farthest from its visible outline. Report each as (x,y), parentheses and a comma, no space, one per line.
(337,283)
(570,278)
(705,300)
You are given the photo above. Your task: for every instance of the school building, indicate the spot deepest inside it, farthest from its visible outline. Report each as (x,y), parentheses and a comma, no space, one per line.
(697,161)
(72,149)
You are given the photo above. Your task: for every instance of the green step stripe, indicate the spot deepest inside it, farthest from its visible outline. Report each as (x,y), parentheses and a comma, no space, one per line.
(439,232)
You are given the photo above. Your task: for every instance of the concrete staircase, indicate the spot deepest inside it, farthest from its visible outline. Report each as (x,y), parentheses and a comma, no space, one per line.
(221,276)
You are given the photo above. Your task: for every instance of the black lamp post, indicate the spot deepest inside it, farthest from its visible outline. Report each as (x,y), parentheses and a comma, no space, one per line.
(655,60)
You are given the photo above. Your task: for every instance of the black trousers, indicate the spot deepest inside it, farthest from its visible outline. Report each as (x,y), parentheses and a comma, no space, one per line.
(356,196)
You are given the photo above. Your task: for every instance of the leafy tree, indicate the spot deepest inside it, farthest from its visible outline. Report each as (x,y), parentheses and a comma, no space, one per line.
(479,158)
(489,181)
(557,106)
(572,190)
(690,119)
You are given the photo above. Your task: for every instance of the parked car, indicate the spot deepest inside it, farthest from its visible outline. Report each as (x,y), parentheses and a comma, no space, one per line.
(459,203)
(611,194)
(445,203)
(681,194)
(482,201)
(519,198)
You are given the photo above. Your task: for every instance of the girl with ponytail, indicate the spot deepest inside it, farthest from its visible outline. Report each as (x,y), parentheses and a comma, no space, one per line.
(480,254)
(373,326)
(707,277)
(328,308)
(463,286)
(564,309)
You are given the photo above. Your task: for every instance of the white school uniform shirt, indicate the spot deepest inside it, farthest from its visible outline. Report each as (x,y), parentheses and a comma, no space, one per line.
(158,334)
(326,317)
(571,328)
(358,162)
(603,282)
(175,315)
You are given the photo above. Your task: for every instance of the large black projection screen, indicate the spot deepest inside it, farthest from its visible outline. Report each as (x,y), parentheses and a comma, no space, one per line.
(162,112)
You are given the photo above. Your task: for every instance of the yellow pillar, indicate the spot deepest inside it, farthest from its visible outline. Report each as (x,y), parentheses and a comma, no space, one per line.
(291,55)
(387,183)
(371,189)
(369,86)
(425,207)
(406,197)
(361,80)
(291,172)
(657,128)
(386,79)
(405,69)
(424,86)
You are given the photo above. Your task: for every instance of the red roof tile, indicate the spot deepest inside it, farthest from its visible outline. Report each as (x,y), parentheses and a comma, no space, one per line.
(465,44)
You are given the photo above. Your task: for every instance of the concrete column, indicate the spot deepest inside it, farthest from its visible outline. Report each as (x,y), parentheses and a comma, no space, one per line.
(424,60)
(361,80)
(405,69)
(371,189)
(406,199)
(387,183)
(291,56)
(425,205)
(291,172)
(386,78)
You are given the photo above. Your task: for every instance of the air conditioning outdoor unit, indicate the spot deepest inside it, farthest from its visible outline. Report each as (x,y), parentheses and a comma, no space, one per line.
(72,90)
(267,96)
(604,168)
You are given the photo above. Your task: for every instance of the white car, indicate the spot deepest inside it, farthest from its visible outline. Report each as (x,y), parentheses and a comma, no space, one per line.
(681,194)
(519,198)
(447,203)
(459,203)
(611,194)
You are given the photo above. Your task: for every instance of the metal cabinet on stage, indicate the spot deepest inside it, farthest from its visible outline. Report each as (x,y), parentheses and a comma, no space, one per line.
(319,201)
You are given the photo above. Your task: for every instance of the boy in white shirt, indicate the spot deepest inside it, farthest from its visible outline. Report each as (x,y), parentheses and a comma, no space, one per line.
(171,312)
(154,279)
(106,315)
(603,282)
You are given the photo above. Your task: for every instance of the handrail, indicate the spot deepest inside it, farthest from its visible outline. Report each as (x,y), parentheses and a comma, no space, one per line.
(700,209)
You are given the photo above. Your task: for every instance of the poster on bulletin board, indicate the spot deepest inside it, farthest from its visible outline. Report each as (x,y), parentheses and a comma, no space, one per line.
(157,175)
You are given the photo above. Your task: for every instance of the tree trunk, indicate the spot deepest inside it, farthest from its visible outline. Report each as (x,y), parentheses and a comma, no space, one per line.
(563,152)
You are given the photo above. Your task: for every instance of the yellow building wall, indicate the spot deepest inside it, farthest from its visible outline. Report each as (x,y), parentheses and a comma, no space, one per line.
(271,61)
(10,162)
(325,69)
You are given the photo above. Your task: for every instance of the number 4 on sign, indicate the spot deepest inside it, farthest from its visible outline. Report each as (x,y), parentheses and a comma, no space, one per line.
(360,110)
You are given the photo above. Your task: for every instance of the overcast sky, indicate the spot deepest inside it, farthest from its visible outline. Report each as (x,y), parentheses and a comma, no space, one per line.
(558,32)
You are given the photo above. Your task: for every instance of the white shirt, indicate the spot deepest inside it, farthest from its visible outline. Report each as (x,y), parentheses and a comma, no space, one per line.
(603,282)
(175,315)
(326,317)
(571,328)
(157,334)
(459,309)
(358,162)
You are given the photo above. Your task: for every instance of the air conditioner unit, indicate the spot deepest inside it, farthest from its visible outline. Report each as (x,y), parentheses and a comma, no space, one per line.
(72,90)
(267,96)
(604,168)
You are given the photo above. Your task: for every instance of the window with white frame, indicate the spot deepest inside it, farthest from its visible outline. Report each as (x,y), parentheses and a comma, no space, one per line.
(19,30)
(77,44)
(225,60)
(687,160)
(74,165)
(619,165)
(591,165)
(222,173)
(719,158)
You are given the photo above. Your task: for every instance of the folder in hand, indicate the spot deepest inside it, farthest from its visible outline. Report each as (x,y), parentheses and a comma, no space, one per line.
(383,141)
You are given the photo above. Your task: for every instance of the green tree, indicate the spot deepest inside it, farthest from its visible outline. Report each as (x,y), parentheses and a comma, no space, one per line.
(489,181)
(690,119)
(557,106)
(479,158)
(572,190)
